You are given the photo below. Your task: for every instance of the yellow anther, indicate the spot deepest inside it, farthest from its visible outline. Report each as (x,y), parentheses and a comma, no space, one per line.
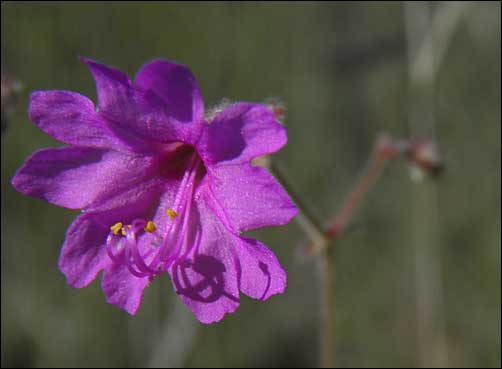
(124,230)
(116,228)
(150,227)
(172,213)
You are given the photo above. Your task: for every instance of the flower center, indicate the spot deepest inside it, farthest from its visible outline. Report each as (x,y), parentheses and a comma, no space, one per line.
(147,250)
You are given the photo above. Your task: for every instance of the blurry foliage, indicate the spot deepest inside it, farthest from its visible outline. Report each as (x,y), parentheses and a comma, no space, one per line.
(341,70)
(10,91)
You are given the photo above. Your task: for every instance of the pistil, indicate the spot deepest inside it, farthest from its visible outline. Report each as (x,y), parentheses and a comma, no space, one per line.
(123,242)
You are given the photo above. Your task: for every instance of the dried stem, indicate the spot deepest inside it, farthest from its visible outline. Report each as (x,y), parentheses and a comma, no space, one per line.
(385,148)
(382,152)
(428,33)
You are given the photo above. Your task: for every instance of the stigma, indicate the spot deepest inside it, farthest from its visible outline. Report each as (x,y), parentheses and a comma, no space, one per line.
(143,248)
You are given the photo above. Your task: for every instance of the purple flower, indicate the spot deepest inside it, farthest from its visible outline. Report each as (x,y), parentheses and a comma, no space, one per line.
(161,188)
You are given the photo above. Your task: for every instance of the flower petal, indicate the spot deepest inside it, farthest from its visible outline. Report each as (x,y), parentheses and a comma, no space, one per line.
(71,118)
(148,202)
(84,254)
(249,197)
(142,111)
(240,133)
(115,91)
(206,276)
(122,288)
(175,87)
(76,177)
(261,273)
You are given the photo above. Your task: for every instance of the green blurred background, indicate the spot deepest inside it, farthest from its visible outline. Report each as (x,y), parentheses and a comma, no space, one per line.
(417,281)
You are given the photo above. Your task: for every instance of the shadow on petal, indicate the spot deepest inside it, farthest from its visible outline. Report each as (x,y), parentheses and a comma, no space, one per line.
(264,268)
(201,279)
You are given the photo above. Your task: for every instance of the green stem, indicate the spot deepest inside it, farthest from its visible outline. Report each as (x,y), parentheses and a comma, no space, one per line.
(305,218)
(302,207)
(327,304)
(325,264)
(320,238)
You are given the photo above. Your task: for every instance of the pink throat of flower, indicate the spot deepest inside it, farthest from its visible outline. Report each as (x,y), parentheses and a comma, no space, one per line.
(123,241)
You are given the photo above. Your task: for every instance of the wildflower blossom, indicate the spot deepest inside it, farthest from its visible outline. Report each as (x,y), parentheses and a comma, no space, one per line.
(162,188)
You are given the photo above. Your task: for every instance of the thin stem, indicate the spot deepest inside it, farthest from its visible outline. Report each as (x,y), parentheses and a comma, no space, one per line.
(305,218)
(428,34)
(326,265)
(371,173)
(385,149)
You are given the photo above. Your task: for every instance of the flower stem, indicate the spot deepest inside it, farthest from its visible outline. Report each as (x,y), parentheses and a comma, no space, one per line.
(327,305)
(429,31)
(305,218)
(321,238)
(369,177)
(314,230)
(385,148)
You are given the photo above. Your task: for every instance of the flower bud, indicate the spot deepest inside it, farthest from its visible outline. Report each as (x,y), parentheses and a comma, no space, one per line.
(277,107)
(425,157)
